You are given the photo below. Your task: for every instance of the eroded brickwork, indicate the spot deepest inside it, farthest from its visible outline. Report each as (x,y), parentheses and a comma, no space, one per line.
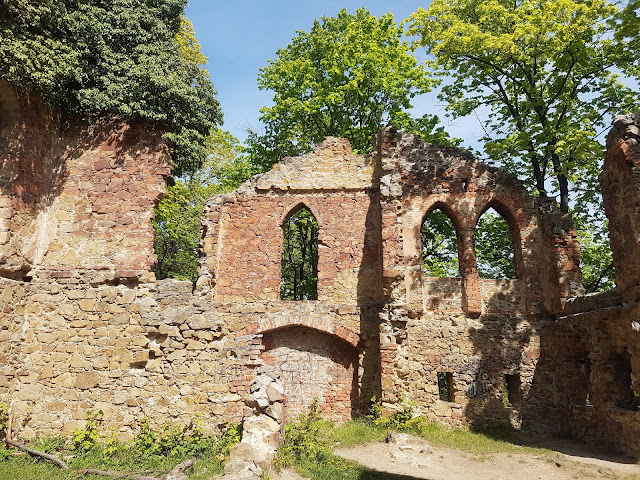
(314,365)
(598,336)
(84,324)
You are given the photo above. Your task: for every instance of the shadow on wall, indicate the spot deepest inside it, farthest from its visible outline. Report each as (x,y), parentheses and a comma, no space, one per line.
(370,300)
(43,155)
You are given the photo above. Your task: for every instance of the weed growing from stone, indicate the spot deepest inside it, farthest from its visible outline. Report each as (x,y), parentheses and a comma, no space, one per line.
(150,451)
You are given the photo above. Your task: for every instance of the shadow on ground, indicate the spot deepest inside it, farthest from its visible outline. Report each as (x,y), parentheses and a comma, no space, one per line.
(571,447)
(376,475)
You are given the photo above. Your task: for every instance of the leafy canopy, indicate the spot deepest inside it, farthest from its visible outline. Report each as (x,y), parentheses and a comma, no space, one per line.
(133,58)
(543,69)
(494,246)
(176,226)
(346,77)
(439,246)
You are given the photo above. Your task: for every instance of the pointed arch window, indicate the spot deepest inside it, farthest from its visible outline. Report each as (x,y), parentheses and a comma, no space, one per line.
(494,246)
(299,262)
(439,245)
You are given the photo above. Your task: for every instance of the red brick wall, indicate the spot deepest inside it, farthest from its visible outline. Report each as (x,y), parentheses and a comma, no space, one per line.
(314,365)
(250,247)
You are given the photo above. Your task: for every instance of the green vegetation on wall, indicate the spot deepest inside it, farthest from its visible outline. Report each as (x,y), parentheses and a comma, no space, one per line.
(131,59)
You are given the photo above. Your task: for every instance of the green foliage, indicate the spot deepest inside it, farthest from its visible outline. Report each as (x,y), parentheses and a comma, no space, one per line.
(231,434)
(628,32)
(151,451)
(346,77)
(439,246)
(299,278)
(176,441)
(545,72)
(399,418)
(85,438)
(427,127)
(596,262)
(494,246)
(303,438)
(545,76)
(132,59)
(506,401)
(176,224)
(636,402)
(444,387)
(4,417)
(375,410)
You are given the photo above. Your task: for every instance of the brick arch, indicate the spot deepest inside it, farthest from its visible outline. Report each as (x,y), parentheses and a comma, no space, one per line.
(514,220)
(323,325)
(505,208)
(447,209)
(297,206)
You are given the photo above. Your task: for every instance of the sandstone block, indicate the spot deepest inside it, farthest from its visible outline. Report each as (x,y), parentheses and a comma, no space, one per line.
(87,380)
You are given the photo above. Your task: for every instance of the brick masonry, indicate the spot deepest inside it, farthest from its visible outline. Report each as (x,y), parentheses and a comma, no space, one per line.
(84,324)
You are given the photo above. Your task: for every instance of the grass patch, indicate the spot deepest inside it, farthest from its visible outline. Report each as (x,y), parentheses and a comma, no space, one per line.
(495,439)
(332,467)
(309,440)
(354,432)
(152,452)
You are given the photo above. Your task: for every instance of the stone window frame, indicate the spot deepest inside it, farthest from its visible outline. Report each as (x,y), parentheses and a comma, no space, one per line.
(514,227)
(451,215)
(297,207)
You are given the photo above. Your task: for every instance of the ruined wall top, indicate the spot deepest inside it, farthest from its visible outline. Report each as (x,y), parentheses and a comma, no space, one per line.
(331,166)
(78,199)
(620,184)
(369,211)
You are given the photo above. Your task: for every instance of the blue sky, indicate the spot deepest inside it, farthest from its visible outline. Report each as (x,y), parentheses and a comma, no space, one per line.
(241,36)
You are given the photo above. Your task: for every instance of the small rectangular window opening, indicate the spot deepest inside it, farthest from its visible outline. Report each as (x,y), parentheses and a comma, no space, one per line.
(445,386)
(511,389)
(621,389)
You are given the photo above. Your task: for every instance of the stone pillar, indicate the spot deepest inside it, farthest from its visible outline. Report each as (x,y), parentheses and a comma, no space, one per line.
(472,296)
(620,182)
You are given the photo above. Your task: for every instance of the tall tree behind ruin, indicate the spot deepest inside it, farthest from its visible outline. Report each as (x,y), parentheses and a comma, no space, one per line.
(544,73)
(346,77)
(176,226)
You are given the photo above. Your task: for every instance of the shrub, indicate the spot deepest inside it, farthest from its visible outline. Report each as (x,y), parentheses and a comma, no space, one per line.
(303,438)
(85,438)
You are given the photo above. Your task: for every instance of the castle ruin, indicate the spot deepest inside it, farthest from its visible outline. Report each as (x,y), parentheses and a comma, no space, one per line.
(84,324)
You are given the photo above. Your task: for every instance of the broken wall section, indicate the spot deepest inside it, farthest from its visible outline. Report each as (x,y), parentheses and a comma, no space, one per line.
(477,333)
(597,337)
(78,198)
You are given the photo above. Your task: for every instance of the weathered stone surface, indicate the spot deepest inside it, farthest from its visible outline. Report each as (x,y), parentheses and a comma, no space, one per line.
(83,321)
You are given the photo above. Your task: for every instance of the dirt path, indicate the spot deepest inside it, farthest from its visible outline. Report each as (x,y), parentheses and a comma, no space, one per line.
(417,458)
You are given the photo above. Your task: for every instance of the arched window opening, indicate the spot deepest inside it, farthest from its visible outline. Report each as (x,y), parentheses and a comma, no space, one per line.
(439,246)
(494,247)
(299,277)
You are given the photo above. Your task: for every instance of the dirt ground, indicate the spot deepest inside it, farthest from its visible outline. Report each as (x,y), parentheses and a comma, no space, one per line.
(419,459)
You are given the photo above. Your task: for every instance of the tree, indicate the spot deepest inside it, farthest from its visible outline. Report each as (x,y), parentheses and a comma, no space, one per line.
(628,33)
(123,57)
(176,225)
(545,71)
(346,77)
(299,264)
(439,246)
(494,247)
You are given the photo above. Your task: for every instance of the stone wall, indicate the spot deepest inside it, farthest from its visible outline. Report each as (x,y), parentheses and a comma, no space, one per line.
(473,330)
(597,337)
(78,198)
(84,324)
